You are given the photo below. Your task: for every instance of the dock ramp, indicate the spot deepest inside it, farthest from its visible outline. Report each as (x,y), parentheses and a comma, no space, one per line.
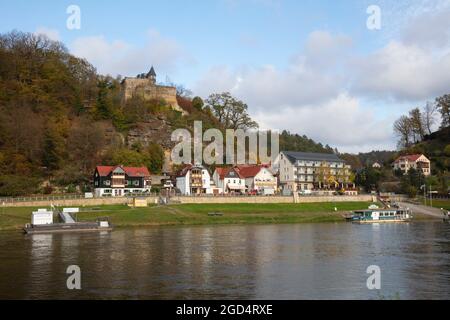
(66,217)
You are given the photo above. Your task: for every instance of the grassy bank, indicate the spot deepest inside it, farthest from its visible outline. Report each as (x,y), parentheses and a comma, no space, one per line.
(445,204)
(197,214)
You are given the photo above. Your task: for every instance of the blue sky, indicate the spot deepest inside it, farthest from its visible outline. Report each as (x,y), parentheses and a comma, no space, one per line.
(312,67)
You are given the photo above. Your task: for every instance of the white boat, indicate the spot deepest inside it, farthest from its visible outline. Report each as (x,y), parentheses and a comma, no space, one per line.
(381,215)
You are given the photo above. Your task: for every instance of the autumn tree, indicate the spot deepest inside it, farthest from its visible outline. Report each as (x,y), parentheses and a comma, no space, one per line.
(416,123)
(197,103)
(231,112)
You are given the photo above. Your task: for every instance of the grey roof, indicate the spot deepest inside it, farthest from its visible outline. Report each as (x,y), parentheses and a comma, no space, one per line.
(151,72)
(311,156)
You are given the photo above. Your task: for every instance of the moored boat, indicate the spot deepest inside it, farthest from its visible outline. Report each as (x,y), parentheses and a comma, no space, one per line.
(68,227)
(381,215)
(42,222)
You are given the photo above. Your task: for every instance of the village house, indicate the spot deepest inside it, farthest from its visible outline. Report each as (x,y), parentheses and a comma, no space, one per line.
(416,161)
(194,180)
(118,181)
(228,180)
(245,178)
(258,178)
(306,171)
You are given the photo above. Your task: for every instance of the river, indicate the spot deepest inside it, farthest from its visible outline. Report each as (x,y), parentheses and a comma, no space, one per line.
(298,261)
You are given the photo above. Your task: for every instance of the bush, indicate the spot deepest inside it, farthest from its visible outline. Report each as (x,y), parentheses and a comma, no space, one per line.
(13,186)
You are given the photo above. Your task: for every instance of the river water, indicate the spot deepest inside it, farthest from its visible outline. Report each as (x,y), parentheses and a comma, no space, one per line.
(298,261)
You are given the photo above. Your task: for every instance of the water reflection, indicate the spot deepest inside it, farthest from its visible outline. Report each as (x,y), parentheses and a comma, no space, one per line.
(304,261)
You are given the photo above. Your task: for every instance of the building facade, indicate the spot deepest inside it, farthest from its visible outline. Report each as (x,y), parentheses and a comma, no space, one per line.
(312,171)
(258,178)
(194,180)
(416,161)
(119,181)
(228,180)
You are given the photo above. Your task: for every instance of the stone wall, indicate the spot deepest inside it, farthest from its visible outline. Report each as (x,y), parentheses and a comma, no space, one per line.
(146,89)
(77,202)
(194,199)
(272,199)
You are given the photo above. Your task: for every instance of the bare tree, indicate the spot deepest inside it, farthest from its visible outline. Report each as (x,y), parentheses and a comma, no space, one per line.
(429,115)
(403,128)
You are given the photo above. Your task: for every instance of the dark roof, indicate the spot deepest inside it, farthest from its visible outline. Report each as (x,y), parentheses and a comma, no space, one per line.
(311,156)
(151,73)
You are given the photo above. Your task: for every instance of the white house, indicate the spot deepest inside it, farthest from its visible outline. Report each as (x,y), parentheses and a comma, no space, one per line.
(194,180)
(258,178)
(229,180)
(416,161)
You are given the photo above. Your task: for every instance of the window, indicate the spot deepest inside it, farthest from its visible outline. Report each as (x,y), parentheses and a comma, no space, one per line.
(107,182)
(136,182)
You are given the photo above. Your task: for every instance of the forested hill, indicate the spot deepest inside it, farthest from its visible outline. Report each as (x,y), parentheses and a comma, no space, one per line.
(296,142)
(59,119)
(436,146)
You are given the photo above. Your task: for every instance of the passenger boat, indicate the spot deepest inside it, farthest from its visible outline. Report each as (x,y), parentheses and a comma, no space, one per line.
(381,215)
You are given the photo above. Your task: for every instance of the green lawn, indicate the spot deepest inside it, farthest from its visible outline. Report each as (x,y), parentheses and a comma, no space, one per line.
(196,214)
(441,204)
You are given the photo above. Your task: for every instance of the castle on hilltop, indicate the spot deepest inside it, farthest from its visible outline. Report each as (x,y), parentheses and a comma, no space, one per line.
(144,85)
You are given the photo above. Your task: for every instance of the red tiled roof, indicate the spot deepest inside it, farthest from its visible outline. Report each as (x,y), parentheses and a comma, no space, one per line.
(409,157)
(131,171)
(248,171)
(222,172)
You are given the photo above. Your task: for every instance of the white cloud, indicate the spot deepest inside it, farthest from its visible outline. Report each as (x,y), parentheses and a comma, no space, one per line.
(429,30)
(340,122)
(52,34)
(119,57)
(308,97)
(402,72)
(309,78)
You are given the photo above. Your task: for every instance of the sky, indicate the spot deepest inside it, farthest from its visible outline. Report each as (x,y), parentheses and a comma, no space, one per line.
(325,69)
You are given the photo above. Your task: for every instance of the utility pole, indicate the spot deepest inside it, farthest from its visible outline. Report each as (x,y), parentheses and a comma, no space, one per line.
(424,187)
(431,197)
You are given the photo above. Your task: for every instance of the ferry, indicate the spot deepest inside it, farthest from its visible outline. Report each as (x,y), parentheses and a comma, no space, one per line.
(42,222)
(381,215)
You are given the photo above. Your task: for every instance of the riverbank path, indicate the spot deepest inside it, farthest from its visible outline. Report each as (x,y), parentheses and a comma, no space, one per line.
(418,208)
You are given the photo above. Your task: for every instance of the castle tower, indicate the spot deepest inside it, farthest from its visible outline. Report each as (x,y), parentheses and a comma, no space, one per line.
(144,86)
(151,75)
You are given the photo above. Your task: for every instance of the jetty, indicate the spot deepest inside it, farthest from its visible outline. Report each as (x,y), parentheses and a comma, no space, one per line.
(42,222)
